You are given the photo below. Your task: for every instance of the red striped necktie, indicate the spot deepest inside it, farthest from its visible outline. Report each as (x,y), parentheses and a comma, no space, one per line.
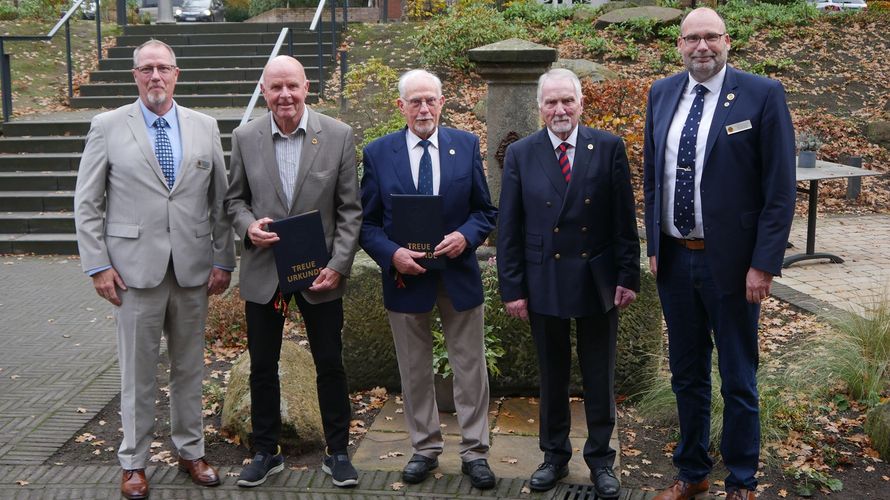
(564,161)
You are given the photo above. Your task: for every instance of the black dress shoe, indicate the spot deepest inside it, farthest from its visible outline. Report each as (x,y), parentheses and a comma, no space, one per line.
(480,473)
(418,468)
(605,483)
(547,475)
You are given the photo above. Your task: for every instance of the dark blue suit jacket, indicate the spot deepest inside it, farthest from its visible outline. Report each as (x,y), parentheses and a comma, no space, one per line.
(467,208)
(549,230)
(748,181)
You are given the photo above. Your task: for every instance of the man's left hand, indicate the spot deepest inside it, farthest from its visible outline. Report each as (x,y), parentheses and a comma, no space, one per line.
(624,297)
(451,246)
(219,281)
(327,279)
(757,284)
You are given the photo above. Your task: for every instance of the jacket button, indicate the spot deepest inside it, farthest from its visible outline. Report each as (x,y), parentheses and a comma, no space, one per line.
(583,229)
(548,204)
(556,256)
(584,255)
(555,229)
(587,201)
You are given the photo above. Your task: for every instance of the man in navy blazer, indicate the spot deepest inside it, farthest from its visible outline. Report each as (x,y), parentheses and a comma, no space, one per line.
(427,159)
(719,182)
(568,248)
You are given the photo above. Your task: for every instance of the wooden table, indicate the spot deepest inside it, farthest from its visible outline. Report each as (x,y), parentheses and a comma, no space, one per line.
(823,170)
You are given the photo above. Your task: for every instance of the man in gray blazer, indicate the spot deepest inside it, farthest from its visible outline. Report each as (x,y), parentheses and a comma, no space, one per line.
(289,162)
(154,237)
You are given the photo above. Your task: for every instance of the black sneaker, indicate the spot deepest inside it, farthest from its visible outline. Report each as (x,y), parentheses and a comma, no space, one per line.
(261,467)
(342,473)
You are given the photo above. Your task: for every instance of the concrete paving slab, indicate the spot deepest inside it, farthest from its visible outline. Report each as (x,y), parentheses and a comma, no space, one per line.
(392,419)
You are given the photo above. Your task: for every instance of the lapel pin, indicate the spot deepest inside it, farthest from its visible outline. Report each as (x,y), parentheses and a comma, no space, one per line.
(730,129)
(314,140)
(730,96)
(590,147)
(451,152)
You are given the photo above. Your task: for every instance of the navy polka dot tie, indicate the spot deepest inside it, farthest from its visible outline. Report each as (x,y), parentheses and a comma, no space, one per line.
(425,176)
(684,190)
(164,151)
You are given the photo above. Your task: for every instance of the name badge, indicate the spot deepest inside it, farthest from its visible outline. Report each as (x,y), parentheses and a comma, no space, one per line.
(738,127)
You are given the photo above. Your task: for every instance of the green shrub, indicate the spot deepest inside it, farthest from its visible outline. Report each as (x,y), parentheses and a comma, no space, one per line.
(640,29)
(259,6)
(743,18)
(8,12)
(372,90)
(535,14)
(237,10)
(596,45)
(445,40)
(42,9)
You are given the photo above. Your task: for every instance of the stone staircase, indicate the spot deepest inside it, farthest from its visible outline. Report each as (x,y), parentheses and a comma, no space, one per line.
(220,64)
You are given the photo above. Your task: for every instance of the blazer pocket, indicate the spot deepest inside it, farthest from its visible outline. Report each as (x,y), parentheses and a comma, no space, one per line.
(202,229)
(122,230)
(534,248)
(749,219)
(534,240)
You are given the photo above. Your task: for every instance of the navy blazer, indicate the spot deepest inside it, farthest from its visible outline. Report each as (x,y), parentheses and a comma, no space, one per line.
(467,208)
(748,179)
(549,230)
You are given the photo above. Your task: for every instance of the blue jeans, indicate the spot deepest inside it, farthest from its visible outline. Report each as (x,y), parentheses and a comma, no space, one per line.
(694,308)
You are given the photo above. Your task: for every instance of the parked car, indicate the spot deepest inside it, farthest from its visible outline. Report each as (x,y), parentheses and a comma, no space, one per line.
(200,10)
(838,5)
(88,9)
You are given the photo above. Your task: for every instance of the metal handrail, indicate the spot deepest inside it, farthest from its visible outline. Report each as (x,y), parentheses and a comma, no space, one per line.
(256,91)
(5,70)
(312,27)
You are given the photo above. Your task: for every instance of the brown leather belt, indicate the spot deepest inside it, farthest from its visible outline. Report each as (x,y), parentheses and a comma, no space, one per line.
(696,244)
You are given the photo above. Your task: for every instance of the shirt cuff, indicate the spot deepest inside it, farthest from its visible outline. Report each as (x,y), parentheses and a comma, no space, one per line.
(98,270)
(224,268)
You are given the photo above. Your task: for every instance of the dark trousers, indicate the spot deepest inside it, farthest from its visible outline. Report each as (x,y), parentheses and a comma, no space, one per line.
(693,308)
(596,337)
(323,326)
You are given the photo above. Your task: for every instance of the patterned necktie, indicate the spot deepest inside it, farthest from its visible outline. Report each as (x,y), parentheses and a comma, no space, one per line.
(425,176)
(564,161)
(164,151)
(684,190)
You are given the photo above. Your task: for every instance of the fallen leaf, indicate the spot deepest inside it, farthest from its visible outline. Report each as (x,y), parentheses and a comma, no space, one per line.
(525,490)
(396,486)
(22,482)
(783,493)
(509,460)
(438,475)
(81,410)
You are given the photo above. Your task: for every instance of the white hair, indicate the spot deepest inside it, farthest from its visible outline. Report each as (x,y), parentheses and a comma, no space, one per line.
(558,74)
(418,73)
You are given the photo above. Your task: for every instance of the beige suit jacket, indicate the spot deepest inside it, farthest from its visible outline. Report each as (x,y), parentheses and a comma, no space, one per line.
(129,219)
(327,181)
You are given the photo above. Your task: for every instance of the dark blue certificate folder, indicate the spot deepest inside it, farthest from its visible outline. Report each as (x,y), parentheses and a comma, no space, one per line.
(417,224)
(301,252)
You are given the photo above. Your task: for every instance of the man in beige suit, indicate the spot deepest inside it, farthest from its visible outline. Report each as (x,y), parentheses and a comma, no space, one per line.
(154,237)
(289,162)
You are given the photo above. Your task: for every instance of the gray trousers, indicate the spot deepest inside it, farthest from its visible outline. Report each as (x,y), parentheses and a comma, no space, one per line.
(144,314)
(464,341)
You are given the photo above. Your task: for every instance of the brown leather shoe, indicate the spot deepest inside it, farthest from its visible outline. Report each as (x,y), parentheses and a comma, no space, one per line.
(202,473)
(681,490)
(740,495)
(134,486)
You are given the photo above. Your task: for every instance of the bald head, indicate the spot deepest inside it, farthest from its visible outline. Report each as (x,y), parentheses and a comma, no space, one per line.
(703,43)
(285,88)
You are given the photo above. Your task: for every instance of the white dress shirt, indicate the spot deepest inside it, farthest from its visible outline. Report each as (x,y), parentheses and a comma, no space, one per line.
(572,141)
(415,151)
(714,85)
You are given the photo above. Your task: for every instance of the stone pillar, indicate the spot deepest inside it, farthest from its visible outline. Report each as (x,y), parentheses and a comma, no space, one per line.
(511,68)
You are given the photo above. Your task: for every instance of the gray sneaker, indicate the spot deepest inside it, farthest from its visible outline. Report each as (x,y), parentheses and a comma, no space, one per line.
(261,467)
(342,473)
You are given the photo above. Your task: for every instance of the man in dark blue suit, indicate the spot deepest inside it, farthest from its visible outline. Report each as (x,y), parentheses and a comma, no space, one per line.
(719,182)
(568,248)
(425,158)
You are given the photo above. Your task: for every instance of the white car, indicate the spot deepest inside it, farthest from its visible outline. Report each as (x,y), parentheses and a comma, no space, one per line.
(838,5)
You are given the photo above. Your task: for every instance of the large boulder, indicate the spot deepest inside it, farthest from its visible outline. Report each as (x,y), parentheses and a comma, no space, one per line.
(300,417)
(369,354)
(877,426)
(587,69)
(878,132)
(662,15)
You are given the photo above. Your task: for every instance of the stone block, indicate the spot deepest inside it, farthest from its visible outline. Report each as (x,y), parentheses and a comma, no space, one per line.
(879,133)
(587,69)
(662,15)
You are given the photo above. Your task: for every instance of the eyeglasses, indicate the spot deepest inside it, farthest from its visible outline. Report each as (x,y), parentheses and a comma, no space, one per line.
(163,69)
(417,102)
(711,38)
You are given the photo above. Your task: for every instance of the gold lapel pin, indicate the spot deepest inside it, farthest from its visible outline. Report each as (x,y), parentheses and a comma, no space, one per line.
(730,129)
(451,152)
(730,96)
(590,147)
(314,140)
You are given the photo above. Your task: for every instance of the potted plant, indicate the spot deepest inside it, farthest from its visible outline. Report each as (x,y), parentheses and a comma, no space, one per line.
(444,377)
(807,145)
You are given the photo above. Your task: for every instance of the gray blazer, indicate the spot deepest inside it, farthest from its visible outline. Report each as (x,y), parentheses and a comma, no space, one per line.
(128,218)
(327,181)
